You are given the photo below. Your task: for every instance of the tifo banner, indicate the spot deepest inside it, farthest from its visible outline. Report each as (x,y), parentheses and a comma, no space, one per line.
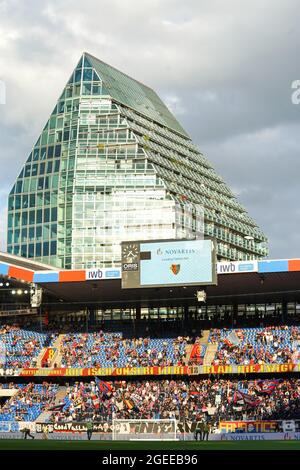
(72,427)
(106,371)
(233,339)
(197,351)
(105,427)
(48,355)
(260,430)
(157,370)
(251,369)
(248,426)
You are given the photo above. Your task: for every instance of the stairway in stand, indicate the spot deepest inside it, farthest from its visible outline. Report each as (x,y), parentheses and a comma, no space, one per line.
(57,357)
(188,350)
(204,338)
(38,362)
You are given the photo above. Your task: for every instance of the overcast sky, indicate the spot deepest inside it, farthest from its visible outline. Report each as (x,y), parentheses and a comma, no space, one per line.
(225,69)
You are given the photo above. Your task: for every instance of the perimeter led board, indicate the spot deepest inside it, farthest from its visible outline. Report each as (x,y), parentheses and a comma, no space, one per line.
(165,263)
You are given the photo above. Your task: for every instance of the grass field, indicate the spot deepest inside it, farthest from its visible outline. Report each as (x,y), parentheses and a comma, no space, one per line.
(9,444)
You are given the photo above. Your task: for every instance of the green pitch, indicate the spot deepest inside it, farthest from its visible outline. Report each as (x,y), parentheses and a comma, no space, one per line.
(9,444)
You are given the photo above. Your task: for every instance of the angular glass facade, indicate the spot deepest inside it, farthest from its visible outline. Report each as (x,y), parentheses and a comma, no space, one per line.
(113,164)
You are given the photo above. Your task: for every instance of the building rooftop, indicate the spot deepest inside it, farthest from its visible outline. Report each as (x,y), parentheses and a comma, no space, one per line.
(134,94)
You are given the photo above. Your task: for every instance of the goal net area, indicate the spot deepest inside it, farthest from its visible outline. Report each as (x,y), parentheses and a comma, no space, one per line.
(144,430)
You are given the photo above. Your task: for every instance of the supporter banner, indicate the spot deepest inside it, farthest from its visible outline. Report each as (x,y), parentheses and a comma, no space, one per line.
(108,371)
(183,428)
(49,354)
(156,370)
(197,351)
(105,427)
(251,369)
(248,426)
(72,427)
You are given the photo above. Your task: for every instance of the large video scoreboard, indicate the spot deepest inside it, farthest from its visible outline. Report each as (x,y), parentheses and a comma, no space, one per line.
(163,263)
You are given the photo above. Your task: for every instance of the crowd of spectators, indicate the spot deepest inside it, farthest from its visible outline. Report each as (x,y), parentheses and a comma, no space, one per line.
(28,401)
(185,399)
(19,347)
(272,344)
(182,399)
(100,349)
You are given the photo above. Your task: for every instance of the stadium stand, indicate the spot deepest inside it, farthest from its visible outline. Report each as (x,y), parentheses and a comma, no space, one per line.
(216,400)
(273,344)
(28,401)
(20,347)
(211,398)
(183,399)
(113,350)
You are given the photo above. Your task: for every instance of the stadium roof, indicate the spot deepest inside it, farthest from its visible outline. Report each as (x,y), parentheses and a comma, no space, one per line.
(238,288)
(7,260)
(134,94)
(241,281)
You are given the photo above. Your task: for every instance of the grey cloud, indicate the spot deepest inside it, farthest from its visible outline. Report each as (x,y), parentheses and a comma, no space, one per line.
(263,170)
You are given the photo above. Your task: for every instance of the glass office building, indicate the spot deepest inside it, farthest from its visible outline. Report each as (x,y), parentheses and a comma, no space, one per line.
(111,164)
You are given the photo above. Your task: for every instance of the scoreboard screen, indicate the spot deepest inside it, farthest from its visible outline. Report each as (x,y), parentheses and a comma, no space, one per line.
(166,263)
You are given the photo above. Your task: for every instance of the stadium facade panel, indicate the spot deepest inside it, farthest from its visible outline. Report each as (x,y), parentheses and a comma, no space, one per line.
(112,164)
